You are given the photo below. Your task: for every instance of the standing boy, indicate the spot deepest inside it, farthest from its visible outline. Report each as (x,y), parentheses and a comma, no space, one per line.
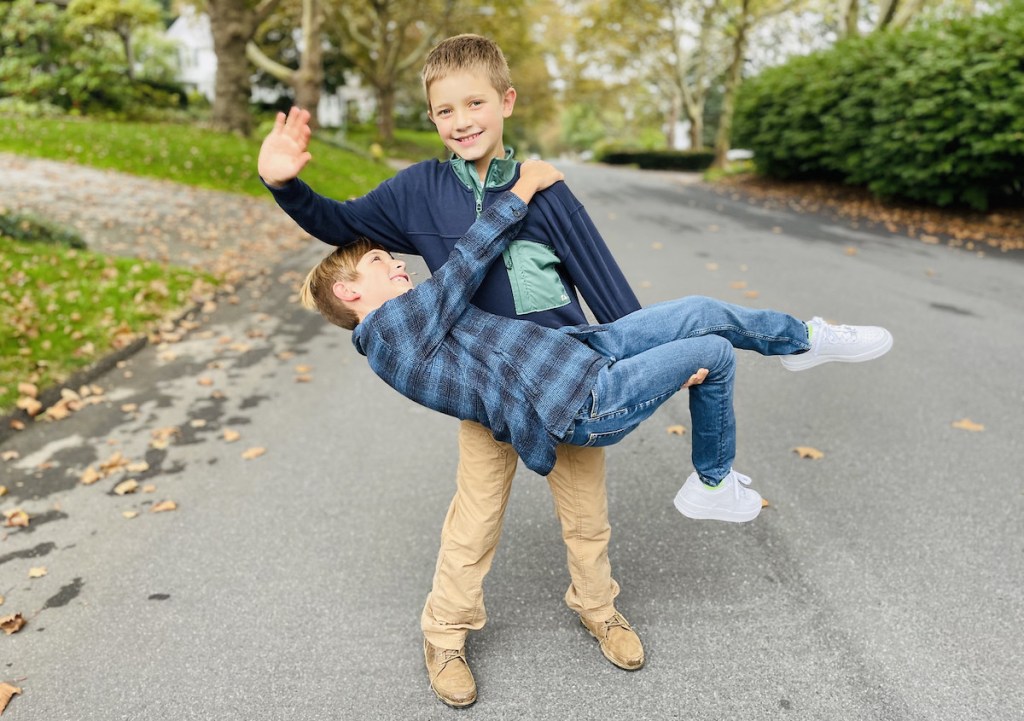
(423,211)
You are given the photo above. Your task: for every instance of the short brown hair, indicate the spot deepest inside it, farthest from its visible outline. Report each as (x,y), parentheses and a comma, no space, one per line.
(318,289)
(466,52)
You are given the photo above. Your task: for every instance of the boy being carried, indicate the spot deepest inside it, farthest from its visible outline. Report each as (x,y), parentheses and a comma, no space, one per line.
(538,387)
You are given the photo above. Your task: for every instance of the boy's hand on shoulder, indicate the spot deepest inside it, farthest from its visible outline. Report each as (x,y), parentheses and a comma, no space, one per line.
(284,152)
(534,176)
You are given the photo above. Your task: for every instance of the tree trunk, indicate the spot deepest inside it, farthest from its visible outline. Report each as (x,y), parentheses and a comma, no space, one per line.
(733,78)
(308,80)
(696,131)
(386,113)
(232,29)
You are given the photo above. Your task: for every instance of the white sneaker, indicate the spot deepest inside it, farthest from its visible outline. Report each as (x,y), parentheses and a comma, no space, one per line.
(730,500)
(847,343)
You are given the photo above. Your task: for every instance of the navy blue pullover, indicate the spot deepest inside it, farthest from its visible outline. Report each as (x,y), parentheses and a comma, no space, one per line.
(426,208)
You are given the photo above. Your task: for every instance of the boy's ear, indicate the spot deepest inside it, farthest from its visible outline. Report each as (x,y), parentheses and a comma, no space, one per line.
(344,292)
(508,102)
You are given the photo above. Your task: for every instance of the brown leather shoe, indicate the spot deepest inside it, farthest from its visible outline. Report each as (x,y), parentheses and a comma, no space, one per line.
(449,673)
(619,642)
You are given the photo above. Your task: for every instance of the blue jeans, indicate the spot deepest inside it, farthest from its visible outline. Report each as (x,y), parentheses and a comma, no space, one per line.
(656,349)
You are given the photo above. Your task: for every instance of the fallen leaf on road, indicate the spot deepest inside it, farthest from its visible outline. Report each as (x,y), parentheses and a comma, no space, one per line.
(764,503)
(37,572)
(254,452)
(675,430)
(966,424)
(808,452)
(17,425)
(303,369)
(15,518)
(205,381)
(114,463)
(129,514)
(129,407)
(3,491)
(304,379)
(2,599)
(231,436)
(197,423)
(7,692)
(164,506)
(125,487)
(286,355)
(10,455)
(12,623)
(137,467)
(738,284)
(149,488)
(850,250)
(752,294)
(90,476)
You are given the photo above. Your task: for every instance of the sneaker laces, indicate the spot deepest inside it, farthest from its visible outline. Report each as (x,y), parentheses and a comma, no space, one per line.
(741,481)
(836,333)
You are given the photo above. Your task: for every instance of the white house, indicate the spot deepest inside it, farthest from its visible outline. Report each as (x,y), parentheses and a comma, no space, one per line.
(197,65)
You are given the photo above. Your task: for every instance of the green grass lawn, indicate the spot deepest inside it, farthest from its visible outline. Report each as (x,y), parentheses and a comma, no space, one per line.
(182,153)
(63,309)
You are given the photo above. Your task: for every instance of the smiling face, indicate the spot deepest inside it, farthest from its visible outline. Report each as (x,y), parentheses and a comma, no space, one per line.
(381,277)
(470,116)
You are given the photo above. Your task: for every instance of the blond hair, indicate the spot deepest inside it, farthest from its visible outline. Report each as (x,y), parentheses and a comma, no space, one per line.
(466,52)
(318,289)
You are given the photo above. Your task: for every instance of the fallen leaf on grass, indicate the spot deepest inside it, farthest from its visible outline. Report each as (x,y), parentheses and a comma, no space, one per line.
(675,430)
(15,518)
(29,405)
(966,424)
(7,692)
(37,572)
(12,623)
(254,452)
(807,452)
(164,506)
(28,389)
(231,436)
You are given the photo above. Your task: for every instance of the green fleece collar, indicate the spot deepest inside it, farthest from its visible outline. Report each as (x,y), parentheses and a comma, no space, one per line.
(500,172)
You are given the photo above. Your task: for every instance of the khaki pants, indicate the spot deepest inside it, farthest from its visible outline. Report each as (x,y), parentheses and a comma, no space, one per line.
(472,528)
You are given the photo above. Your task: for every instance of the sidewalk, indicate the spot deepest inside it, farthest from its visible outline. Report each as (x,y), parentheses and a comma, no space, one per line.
(232,235)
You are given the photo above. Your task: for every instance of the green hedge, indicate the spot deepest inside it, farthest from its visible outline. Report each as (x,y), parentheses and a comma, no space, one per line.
(694,160)
(33,229)
(934,115)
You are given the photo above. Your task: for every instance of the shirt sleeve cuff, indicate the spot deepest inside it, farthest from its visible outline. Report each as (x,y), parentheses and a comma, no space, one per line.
(510,206)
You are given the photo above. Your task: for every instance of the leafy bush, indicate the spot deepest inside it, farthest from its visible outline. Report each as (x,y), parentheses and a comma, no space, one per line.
(684,160)
(30,228)
(934,115)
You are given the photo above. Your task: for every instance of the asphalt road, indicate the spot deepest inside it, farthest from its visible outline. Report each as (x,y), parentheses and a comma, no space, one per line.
(883,582)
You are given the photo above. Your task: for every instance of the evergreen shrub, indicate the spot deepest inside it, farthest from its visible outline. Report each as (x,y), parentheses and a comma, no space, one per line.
(934,115)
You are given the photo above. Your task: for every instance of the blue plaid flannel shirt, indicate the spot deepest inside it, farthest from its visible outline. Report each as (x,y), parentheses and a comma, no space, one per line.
(521,380)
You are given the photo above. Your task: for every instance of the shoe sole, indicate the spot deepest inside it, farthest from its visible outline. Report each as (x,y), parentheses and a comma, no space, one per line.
(452,704)
(701,513)
(797,362)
